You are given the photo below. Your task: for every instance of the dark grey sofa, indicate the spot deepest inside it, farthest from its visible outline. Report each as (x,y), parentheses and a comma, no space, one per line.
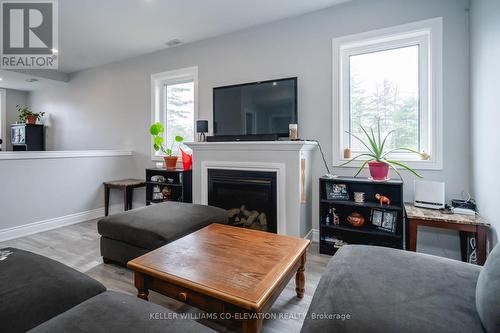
(43,295)
(128,235)
(376,289)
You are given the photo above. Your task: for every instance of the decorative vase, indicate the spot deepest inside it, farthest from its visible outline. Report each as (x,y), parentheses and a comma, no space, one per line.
(356,219)
(187,160)
(378,170)
(31,120)
(170,162)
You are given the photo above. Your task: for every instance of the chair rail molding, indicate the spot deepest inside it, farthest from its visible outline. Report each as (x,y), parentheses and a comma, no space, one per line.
(27,155)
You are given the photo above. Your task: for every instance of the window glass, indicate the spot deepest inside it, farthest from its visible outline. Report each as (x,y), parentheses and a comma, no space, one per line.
(385,85)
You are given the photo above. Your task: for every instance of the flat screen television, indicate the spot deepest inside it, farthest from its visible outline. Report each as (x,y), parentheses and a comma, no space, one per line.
(257,108)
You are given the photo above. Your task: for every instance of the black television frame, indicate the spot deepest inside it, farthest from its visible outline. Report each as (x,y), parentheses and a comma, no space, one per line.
(294,78)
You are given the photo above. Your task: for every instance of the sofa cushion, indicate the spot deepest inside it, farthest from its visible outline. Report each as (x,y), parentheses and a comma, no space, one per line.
(377,289)
(34,289)
(488,292)
(153,226)
(112,312)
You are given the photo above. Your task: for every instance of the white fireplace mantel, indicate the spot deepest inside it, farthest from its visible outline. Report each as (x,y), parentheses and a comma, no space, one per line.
(254,145)
(291,160)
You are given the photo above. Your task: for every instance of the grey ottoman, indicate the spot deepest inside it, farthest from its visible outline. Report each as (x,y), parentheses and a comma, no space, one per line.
(133,233)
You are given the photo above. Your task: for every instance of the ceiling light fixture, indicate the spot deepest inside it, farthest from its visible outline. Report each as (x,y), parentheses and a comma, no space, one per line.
(173,42)
(1,79)
(55,51)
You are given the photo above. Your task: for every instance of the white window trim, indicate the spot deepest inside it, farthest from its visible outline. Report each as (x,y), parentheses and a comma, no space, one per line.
(432,30)
(158,82)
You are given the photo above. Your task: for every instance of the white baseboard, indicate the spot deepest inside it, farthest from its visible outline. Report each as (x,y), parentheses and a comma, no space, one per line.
(313,235)
(57,222)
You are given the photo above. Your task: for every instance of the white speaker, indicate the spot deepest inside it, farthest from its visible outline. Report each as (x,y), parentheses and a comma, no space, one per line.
(429,194)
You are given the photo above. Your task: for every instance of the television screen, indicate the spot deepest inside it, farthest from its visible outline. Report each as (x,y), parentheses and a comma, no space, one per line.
(265,107)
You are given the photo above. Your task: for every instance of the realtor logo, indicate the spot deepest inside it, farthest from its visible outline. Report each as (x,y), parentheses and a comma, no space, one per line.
(29,35)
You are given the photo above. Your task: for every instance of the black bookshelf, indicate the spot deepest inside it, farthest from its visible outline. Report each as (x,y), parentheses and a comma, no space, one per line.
(332,235)
(177,182)
(27,137)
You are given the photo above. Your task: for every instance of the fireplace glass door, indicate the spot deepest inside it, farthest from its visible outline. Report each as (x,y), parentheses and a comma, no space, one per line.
(248,196)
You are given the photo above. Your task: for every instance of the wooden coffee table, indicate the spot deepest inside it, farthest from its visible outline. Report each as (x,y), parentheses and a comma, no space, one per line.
(227,270)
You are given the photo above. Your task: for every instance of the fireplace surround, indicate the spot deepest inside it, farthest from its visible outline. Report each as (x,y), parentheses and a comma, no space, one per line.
(290,161)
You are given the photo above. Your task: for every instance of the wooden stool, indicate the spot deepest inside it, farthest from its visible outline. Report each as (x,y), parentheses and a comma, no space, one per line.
(127,186)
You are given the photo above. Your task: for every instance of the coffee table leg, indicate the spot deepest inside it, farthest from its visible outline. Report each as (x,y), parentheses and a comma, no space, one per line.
(300,278)
(252,325)
(140,284)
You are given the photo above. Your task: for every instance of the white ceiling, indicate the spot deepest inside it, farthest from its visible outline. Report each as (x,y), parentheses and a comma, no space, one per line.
(96,32)
(20,80)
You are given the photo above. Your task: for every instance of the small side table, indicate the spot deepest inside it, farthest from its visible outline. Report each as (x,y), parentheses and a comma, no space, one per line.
(127,186)
(459,222)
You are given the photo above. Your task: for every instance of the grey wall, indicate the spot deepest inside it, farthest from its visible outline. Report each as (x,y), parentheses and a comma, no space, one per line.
(485,107)
(109,106)
(13,98)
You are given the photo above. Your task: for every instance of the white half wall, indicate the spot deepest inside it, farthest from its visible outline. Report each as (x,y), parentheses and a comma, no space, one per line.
(109,107)
(485,108)
(40,194)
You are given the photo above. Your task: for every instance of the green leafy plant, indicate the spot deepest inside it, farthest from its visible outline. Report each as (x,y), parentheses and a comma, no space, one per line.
(25,112)
(157,131)
(376,151)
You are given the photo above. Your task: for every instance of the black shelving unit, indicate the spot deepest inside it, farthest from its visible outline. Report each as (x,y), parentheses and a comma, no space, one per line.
(177,181)
(27,137)
(333,235)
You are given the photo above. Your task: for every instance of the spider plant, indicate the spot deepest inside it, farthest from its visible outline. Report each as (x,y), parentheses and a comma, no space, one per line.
(377,153)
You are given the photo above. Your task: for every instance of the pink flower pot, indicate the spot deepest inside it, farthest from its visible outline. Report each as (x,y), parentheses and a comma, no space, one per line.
(378,170)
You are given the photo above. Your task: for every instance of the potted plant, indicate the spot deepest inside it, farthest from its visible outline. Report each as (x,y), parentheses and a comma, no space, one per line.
(171,157)
(28,116)
(377,157)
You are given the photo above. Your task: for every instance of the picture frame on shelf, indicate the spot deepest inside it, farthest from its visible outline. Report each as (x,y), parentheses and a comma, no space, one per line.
(336,191)
(377,217)
(384,220)
(389,221)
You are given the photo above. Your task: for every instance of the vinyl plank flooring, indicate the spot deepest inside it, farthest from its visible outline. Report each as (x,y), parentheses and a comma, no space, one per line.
(78,246)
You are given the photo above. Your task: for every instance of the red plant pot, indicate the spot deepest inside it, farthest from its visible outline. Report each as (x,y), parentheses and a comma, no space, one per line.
(170,162)
(378,170)
(31,120)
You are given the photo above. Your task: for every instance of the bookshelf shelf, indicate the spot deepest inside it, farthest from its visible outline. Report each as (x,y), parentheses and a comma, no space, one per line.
(369,233)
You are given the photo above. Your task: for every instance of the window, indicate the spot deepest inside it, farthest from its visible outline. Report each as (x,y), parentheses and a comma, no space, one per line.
(391,76)
(174,103)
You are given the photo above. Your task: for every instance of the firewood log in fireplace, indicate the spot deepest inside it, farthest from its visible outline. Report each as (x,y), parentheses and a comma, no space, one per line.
(237,221)
(245,211)
(247,218)
(253,216)
(262,219)
(233,212)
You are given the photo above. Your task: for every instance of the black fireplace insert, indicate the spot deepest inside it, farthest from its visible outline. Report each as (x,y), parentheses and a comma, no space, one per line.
(248,196)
